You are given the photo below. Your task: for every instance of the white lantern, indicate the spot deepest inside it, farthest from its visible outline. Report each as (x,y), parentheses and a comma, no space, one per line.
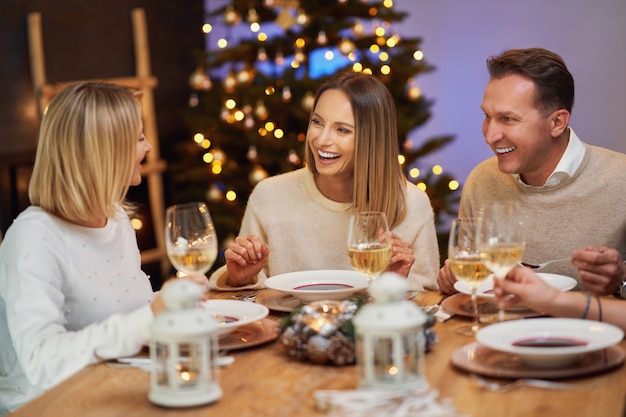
(389,337)
(183,350)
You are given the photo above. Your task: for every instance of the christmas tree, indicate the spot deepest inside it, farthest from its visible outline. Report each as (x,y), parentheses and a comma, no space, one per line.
(253,90)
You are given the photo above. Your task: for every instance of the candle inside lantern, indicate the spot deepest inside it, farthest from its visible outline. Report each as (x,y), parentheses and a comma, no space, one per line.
(389,339)
(183,348)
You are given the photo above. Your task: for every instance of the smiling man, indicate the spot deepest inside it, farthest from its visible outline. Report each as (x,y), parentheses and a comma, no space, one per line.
(572,194)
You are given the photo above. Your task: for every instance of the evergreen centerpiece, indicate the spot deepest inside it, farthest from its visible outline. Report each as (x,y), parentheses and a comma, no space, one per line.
(322,332)
(253,92)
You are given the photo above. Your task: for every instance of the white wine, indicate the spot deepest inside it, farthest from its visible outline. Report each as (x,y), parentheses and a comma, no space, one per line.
(194,260)
(469,269)
(371,259)
(501,259)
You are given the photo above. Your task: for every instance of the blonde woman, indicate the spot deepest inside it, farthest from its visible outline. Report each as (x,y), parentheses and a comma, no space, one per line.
(299,220)
(72,291)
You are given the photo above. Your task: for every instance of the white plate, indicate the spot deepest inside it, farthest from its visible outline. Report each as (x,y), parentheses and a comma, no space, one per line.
(309,286)
(485,288)
(573,337)
(234,313)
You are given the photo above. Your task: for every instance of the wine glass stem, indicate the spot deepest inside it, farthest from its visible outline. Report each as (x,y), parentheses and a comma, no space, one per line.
(501,315)
(476,324)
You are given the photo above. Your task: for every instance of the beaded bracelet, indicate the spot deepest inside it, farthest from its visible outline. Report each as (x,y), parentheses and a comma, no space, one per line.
(587,306)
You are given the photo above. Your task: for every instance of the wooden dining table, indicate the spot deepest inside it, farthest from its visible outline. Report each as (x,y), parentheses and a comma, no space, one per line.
(264,381)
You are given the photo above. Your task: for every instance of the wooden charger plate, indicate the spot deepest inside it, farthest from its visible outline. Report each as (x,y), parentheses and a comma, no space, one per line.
(482,360)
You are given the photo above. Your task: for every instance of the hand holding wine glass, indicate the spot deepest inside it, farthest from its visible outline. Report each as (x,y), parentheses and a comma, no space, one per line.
(369,243)
(190,238)
(501,240)
(466,264)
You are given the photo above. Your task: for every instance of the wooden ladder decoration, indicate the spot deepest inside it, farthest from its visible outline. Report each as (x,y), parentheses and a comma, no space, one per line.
(144,81)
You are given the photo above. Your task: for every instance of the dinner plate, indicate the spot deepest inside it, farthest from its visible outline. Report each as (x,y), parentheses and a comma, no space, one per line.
(549,342)
(316,285)
(485,288)
(249,335)
(234,313)
(461,305)
(493,363)
(278,301)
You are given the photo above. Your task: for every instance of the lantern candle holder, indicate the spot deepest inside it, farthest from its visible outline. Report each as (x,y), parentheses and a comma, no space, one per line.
(183,350)
(389,337)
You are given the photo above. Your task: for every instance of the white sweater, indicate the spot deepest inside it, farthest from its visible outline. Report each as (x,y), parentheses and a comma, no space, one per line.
(306,231)
(70,296)
(587,209)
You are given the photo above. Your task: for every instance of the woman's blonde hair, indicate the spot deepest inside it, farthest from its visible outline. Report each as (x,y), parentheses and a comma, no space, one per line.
(86,151)
(379,183)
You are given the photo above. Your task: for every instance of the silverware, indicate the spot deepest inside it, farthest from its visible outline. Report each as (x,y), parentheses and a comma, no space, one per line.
(247,296)
(542,264)
(530,382)
(144,363)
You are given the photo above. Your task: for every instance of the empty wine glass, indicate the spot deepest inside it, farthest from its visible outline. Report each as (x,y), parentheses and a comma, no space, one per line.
(369,243)
(190,238)
(502,240)
(466,264)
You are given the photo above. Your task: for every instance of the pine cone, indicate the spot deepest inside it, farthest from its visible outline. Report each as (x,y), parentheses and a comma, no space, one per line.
(317,349)
(294,345)
(341,350)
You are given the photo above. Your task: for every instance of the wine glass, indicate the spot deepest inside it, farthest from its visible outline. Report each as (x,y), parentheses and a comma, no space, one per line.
(466,264)
(190,238)
(501,240)
(369,243)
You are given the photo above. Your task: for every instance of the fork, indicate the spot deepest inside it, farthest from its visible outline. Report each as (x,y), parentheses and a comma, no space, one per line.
(530,382)
(247,296)
(542,264)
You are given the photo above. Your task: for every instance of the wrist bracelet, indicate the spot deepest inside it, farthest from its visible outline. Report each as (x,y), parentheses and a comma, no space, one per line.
(599,307)
(587,306)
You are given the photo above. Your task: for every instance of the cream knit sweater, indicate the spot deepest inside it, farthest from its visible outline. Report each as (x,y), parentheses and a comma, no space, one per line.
(306,231)
(585,210)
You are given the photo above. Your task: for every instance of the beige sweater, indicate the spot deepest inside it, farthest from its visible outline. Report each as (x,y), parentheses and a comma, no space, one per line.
(306,231)
(585,210)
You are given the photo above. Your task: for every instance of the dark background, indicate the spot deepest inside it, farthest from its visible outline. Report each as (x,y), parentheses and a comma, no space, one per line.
(89,39)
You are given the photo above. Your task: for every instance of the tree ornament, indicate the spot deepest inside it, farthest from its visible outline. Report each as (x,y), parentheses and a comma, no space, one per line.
(257,174)
(214,193)
(230,82)
(279,59)
(260,111)
(307,101)
(244,76)
(414,93)
(285,19)
(322,39)
(302,19)
(261,55)
(346,46)
(293,157)
(199,80)
(286,96)
(253,16)
(252,154)
(359,30)
(231,16)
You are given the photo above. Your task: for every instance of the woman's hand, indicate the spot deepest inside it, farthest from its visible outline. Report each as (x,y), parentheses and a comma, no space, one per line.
(245,258)
(446,280)
(158,305)
(524,286)
(402,257)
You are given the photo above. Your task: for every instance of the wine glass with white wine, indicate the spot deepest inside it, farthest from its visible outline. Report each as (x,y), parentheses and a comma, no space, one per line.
(501,240)
(466,264)
(369,243)
(190,238)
